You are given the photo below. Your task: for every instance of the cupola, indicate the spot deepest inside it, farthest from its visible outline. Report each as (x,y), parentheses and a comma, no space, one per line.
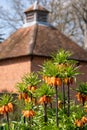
(36,14)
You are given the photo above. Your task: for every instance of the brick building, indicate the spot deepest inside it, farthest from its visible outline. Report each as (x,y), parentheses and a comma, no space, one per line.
(30,45)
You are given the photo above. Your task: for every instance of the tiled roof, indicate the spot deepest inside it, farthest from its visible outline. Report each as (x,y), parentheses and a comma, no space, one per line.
(39,40)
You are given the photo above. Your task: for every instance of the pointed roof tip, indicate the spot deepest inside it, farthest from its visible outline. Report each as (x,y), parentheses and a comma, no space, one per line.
(36,6)
(37,1)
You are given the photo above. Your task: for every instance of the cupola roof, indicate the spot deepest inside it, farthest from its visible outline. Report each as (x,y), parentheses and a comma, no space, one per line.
(36,7)
(36,14)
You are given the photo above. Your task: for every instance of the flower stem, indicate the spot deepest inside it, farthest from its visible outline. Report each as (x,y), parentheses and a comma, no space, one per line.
(45,112)
(56,106)
(35,101)
(24,120)
(29,121)
(7,115)
(83,101)
(68,114)
(63,92)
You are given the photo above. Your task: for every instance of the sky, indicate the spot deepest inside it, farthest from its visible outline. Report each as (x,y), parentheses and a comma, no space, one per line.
(5,3)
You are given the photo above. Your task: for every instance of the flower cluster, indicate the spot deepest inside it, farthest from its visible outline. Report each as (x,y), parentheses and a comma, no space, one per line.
(45,99)
(28,113)
(81,122)
(6,108)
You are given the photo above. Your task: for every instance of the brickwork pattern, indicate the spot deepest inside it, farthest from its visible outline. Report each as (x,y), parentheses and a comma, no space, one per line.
(11,72)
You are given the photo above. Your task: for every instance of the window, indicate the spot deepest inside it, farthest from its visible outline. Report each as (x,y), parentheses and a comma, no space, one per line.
(42,16)
(30,17)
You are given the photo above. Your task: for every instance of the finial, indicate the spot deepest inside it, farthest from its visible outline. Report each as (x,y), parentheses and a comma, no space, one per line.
(38,1)
(36,4)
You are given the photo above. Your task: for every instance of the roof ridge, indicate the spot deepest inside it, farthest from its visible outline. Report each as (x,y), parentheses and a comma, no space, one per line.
(34,35)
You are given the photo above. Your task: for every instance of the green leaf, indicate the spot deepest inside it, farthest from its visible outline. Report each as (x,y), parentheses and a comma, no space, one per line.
(5,99)
(45,90)
(61,57)
(21,87)
(82,88)
(31,79)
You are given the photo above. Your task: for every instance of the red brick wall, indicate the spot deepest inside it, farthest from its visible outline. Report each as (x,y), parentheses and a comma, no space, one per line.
(83,71)
(11,72)
(37,62)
